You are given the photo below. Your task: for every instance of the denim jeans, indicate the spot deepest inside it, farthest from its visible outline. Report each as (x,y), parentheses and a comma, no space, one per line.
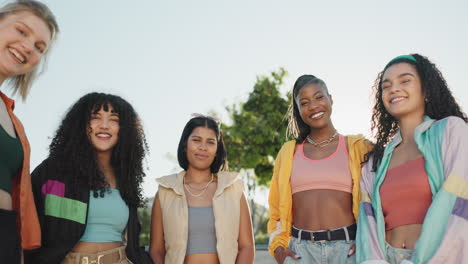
(397,255)
(321,252)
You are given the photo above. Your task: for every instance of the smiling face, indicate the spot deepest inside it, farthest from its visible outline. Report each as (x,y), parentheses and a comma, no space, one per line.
(201,148)
(24,38)
(104,129)
(315,106)
(402,93)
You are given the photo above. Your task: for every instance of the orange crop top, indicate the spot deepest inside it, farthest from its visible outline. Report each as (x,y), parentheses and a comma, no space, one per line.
(330,173)
(405,194)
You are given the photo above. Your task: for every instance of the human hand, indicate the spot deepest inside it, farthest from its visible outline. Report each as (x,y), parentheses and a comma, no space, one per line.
(281,254)
(352,250)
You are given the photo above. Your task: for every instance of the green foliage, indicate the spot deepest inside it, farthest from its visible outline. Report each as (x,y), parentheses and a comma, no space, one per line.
(144,215)
(261,239)
(258,127)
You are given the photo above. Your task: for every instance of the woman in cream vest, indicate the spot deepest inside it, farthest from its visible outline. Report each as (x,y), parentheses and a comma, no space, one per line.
(201,215)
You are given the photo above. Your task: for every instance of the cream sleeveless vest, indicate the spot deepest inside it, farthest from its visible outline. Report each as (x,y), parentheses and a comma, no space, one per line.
(226,208)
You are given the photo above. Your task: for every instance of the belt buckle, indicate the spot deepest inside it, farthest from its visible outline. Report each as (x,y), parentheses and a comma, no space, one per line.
(312,237)
(95,261)
(329,235)
(98,260)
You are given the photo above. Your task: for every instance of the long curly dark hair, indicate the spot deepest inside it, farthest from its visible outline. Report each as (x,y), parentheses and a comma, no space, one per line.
(297,128)
(440,102)
(76,157)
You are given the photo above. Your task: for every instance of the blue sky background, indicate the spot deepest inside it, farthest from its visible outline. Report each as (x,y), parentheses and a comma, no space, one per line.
(173,58)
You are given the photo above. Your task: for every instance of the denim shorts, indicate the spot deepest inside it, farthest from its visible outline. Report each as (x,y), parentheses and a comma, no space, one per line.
(396,255)
(321,252)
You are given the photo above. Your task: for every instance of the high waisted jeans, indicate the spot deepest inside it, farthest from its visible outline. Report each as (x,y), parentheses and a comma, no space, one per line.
(397,255)
(321,252)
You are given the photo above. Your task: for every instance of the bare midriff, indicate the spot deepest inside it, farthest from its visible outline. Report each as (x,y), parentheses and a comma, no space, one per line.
(209,258)
(404,236)
(92,248)
(5,200)
(322,209)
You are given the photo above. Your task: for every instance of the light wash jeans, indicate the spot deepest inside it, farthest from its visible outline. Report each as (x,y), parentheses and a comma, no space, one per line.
(397,255)
(321,252)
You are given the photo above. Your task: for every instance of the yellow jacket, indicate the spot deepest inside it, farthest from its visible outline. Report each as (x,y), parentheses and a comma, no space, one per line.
(280,197)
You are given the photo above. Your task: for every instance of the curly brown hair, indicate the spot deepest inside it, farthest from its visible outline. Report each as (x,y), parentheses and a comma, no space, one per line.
(440,102)
(75,156)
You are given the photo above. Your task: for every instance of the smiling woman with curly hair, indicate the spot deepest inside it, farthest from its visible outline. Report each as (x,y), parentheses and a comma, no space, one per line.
(89,188)
(414,187)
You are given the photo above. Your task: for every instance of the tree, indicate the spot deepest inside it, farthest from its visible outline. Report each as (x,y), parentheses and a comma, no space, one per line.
(144,215)
(257,132)
(258,127)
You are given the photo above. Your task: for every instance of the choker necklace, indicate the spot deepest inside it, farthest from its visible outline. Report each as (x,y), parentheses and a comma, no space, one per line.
(321,143)
(203,189)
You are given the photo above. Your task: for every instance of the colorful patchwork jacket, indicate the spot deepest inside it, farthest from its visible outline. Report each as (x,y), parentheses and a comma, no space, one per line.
(444,236)
(62,212)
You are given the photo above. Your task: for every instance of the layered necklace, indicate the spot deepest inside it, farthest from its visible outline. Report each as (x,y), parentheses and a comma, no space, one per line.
(203,189)
(322,143)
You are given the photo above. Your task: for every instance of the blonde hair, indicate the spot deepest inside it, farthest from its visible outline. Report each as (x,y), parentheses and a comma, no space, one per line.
(22,83)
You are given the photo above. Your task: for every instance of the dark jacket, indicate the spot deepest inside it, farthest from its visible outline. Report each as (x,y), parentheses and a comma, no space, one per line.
(62,207)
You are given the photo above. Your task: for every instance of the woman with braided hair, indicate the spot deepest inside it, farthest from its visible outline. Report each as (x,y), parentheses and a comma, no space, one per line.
(314,193)
(414,206)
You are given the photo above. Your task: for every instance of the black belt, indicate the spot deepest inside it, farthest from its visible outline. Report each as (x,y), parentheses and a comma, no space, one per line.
(328,235)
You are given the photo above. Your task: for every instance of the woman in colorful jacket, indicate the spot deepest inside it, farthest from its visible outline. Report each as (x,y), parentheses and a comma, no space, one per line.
(201,215)
(314,193)
(89,188)
(27,30)
(414,206)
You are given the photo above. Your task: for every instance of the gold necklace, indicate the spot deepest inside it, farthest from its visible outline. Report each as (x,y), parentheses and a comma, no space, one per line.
(323,143)
(203,189)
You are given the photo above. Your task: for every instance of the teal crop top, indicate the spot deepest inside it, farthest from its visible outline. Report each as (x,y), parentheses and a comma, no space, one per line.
(107,218)
(11,159)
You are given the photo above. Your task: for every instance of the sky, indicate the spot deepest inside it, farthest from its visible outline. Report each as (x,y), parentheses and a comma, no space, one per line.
(170,59)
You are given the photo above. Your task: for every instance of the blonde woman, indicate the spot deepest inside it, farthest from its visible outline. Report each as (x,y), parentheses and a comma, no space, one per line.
(27,31)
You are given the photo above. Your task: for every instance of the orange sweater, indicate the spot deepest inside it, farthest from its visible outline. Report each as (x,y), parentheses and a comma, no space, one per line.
(23,199)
